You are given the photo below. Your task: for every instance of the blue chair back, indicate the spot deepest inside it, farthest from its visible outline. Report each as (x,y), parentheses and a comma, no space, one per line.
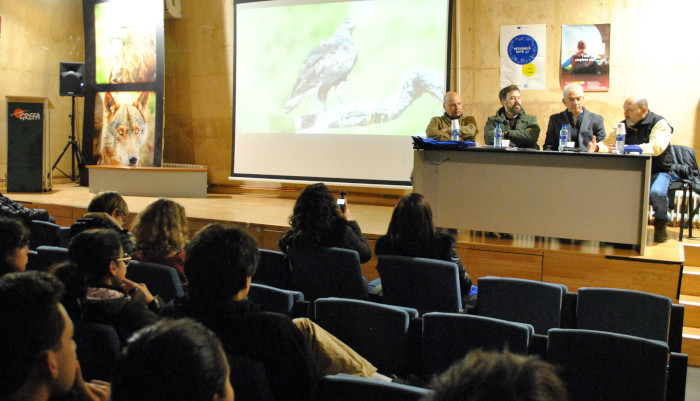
(273,299)
(327,272)
(524,301)
(97,348)
(51,255)
(160,279)
(273,270)
(428,285)
(621,311)
(380,333)
(597,365)
(448,337)
(344,387)
(44,233)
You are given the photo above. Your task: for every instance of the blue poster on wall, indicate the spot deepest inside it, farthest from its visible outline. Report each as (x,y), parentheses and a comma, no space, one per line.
(523,56)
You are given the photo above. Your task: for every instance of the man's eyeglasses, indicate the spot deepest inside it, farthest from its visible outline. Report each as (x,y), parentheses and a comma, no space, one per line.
(125,259)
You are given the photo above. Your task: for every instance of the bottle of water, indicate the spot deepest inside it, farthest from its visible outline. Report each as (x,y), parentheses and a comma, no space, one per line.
(455,130)
(563,137)
(498,137)
(620,138)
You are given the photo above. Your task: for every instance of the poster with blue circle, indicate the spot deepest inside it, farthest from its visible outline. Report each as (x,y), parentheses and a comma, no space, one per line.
(522,49)
(523,56)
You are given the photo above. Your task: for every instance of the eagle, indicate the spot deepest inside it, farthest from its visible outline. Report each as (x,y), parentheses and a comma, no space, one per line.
(327,66)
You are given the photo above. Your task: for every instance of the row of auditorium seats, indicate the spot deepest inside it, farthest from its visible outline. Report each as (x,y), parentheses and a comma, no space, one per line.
(596,364)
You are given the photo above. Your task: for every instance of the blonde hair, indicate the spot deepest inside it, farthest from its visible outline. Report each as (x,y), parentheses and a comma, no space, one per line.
(161,228)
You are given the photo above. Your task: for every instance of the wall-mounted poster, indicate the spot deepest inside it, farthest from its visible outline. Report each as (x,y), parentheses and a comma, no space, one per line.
(585,56)
(124,76)
(523,56)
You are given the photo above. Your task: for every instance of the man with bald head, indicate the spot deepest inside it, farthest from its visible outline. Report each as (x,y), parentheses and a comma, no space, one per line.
(652,134)
(440,128)
(583,125)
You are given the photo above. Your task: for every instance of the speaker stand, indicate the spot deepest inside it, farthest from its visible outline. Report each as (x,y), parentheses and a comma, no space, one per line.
(74,146)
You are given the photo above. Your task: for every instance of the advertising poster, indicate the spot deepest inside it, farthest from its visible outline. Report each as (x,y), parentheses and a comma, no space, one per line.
(523,56)
(585,56)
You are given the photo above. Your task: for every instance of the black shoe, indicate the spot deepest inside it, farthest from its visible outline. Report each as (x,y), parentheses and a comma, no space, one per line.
(660,233)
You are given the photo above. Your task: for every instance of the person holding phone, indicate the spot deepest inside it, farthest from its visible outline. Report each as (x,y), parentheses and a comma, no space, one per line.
(318,220)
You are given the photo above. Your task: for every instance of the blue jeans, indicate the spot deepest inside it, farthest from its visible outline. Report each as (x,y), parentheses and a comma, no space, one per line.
(658,195)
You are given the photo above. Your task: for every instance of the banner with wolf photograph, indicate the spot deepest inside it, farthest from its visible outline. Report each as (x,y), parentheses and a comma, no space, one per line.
(124,77)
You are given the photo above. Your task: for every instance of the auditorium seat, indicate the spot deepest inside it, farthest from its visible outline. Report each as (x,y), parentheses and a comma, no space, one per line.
(344,387)
(448,337)
(160,279)
(273,299)
(380,333)
(327,272)
(428,285)
(273,270)
(520,300)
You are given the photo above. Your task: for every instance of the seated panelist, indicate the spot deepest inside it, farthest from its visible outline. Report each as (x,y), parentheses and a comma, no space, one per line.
(583,125)
(440,128)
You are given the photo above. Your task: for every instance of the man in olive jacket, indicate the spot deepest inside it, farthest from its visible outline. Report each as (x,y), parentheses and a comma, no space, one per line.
(440,128)
(520,128)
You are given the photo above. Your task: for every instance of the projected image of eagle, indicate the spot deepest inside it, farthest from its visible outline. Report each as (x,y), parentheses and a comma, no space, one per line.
(327,66)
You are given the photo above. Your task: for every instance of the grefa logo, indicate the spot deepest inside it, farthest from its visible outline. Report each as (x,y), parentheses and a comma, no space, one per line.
(24,116)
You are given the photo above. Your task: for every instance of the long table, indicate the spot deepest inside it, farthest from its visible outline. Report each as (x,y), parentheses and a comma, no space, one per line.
(579,196)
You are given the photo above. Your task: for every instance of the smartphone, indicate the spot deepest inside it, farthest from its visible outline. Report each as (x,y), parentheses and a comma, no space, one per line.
(341,202)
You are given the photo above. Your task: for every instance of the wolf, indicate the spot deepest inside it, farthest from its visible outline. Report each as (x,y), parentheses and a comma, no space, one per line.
(124,131)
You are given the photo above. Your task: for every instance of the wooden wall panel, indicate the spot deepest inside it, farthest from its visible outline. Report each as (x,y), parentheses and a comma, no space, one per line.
(578,270)
(505,264)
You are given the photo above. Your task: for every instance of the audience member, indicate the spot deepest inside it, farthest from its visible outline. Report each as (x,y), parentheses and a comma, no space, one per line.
(518,127)
(173,360)
(440,127)
(10,208)
(583,125)
(412,233)
(496,376)
(109,297)
(651,134)
(221,261)
(107,209)
(14,245)
(160,232)
(37,351)
(318,222)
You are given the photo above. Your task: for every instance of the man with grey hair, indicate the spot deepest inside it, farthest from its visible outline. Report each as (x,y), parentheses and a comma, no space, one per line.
(583,125)
(651,134)
(440,128)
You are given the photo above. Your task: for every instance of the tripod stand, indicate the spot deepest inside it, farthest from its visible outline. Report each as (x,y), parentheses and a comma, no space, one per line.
(73,145)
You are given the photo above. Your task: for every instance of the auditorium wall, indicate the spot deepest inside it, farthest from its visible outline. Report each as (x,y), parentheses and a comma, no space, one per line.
(650,57)
(35,36)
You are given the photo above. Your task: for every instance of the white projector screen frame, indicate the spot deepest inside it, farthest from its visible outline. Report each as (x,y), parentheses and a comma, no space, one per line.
(362,134)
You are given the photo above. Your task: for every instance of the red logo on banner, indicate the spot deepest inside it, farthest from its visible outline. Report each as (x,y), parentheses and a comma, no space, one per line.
(22,115)
(19,113)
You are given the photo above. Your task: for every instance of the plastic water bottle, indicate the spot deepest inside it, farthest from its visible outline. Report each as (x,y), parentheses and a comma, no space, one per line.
(498,137)
(563,137)
(620,138)
(455,130)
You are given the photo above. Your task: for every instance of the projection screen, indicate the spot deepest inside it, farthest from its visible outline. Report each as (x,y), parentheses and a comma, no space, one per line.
(333,90)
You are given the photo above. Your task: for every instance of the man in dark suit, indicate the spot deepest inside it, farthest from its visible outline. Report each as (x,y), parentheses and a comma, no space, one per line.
(583,125)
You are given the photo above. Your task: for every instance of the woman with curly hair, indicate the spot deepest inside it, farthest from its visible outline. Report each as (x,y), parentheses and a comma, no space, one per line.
(412,233)
(318,222)
(161,233)
(14,246)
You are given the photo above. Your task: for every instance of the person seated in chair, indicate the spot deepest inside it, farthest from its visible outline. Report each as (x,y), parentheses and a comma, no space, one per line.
(412,233)
(317,221)
(10,208)
(145,370)
(498,376)
(14,246)
(98,269)
(107,209)
(220,264)
(37,352)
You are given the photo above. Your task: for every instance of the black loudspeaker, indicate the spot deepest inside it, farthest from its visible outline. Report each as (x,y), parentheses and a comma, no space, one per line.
(71,79)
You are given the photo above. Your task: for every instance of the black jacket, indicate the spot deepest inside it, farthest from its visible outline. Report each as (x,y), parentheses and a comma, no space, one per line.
(94,221)
(10,208)
(269,338)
